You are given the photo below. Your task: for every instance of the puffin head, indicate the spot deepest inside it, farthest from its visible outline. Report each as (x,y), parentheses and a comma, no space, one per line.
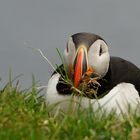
(86,53)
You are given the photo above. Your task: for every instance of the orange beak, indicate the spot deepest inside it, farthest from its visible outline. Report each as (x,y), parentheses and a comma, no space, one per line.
(80,64)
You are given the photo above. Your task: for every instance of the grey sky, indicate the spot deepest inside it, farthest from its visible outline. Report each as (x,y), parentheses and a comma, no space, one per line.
(46,24)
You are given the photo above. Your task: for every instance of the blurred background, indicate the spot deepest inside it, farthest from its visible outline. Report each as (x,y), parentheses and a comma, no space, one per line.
(47,24)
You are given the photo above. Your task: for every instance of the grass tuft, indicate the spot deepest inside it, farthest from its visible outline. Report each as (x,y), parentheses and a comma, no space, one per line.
(24,115)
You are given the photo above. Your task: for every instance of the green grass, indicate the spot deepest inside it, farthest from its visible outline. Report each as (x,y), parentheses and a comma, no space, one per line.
(24,116)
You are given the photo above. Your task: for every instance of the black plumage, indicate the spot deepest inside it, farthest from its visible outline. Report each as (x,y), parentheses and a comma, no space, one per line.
(121,70)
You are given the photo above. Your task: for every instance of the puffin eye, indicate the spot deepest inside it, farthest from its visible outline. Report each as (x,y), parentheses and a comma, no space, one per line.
(67,49)
(101,50)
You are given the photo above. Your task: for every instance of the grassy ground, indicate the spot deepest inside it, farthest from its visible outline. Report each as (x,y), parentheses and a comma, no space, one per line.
(24,116)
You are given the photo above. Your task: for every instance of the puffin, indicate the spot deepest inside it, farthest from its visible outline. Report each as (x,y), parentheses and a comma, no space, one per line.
(119,89)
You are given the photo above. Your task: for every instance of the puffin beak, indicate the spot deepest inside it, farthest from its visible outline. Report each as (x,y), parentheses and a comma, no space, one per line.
(80,64)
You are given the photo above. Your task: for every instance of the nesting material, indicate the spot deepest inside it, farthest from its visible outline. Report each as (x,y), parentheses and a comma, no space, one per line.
(89,85)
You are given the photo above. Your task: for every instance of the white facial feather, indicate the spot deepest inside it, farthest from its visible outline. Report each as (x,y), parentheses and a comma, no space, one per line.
(69,54)
(98,57)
